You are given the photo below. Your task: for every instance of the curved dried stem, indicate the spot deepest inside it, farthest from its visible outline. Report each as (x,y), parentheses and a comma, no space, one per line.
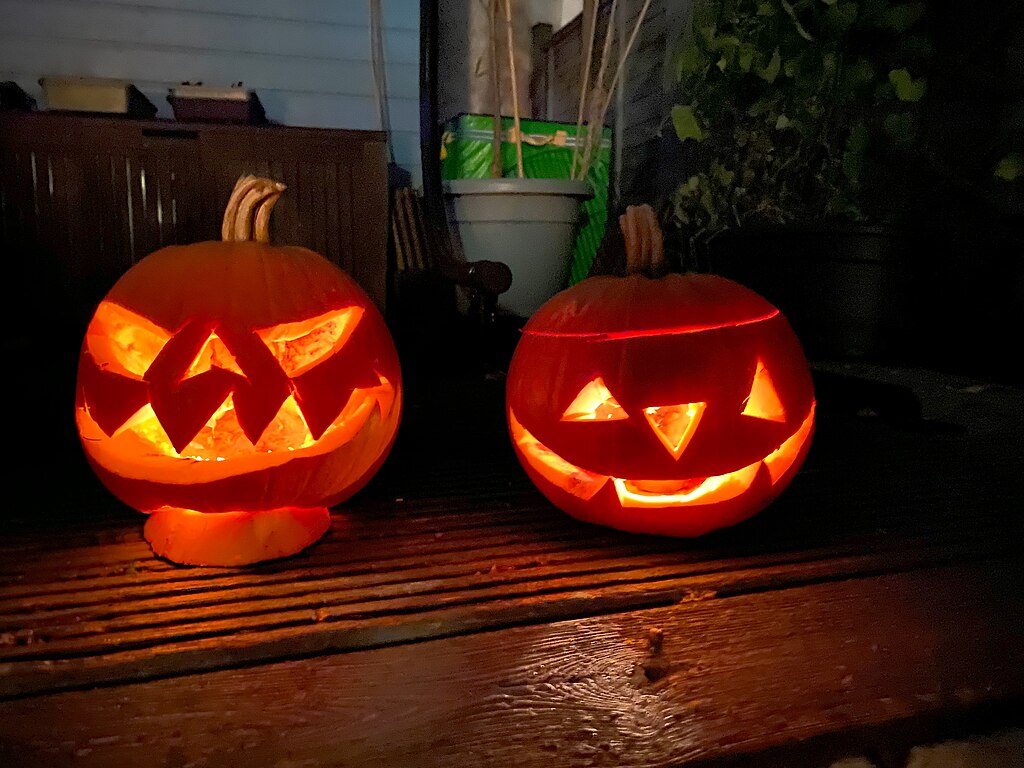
(246,209)
(248,212)
(261,229)
(644,240)
(242,188)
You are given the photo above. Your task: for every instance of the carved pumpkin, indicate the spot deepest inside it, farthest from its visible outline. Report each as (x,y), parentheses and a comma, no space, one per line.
(674,405)
(234,390)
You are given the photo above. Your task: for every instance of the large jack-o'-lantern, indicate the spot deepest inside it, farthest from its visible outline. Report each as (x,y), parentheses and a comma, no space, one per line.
(674,405)
(233,390)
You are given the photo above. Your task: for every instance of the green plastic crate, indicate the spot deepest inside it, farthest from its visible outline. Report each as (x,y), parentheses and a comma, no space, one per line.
(547,154)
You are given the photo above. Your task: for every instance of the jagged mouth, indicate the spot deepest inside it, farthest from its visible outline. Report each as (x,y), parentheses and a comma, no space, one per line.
(140,447)
(585,484)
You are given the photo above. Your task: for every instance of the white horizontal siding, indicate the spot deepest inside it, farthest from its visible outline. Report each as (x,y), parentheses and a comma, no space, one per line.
(353,13)
(308,60)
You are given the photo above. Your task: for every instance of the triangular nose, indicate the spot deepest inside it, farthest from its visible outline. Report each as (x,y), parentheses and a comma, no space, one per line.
(675,424)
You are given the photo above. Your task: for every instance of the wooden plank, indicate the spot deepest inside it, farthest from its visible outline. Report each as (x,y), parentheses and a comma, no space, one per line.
(98,644)
(656,687)
(96,631)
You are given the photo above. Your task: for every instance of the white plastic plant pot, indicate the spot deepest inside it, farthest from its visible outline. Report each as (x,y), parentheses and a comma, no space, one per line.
(528,224)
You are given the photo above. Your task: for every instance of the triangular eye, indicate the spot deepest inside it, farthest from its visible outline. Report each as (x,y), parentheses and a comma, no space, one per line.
(675,424)
(763,402)
(302,345)
(595,403)
(121,341)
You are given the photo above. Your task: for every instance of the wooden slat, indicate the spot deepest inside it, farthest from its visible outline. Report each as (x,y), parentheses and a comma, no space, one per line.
(369,223)
(664,686)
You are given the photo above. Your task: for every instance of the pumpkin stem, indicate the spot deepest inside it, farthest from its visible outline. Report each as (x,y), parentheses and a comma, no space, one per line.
(261,229)
(247,216)
(645,245)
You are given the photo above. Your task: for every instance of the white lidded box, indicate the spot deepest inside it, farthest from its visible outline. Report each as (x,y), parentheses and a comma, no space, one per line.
(95,94)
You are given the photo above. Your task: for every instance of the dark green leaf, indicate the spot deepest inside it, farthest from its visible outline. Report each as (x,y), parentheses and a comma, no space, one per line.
(829,65)
(900,18)
(1010,167)
(690,61)
(1013,117)
(707,202)
(914,48)
(840,17)
(770,71)
(901,128)
(782,122)
(685,123)
(705,14)
(745,59)
(722,174)
(853,155)
(856,78)
(872,11)
(725,43)
(760,106)
(906,87)
(765,9)
(858,139)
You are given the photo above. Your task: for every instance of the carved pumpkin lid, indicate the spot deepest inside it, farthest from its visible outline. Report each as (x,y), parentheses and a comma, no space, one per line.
(245,284)
(638,306)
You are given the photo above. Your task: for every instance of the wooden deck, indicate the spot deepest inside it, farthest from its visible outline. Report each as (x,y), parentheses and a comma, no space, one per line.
(453,617)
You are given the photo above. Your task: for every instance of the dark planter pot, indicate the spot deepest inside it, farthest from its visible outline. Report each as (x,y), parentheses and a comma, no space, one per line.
(849,292)
(977,297)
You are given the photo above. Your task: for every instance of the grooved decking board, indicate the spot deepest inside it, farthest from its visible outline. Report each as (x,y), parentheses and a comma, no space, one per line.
(456,541)
(732,676)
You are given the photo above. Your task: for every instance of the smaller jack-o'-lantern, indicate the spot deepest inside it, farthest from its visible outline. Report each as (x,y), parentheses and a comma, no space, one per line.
(671,405)
(234,390)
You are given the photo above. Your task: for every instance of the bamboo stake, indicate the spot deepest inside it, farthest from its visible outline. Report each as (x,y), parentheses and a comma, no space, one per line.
(584,83)
(515,88)
(596,98)
(496,83)
(614,84)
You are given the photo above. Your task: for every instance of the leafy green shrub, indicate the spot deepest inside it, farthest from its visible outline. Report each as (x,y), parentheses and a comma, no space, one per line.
(802,111)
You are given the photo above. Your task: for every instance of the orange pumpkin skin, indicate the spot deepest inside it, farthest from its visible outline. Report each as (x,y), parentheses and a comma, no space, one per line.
(237,377)
(671,406)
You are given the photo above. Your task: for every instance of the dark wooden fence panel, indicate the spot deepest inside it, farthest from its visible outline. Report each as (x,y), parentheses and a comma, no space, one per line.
(84,198)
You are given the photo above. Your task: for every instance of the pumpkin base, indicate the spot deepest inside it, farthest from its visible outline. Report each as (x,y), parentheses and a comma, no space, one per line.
(189,537)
